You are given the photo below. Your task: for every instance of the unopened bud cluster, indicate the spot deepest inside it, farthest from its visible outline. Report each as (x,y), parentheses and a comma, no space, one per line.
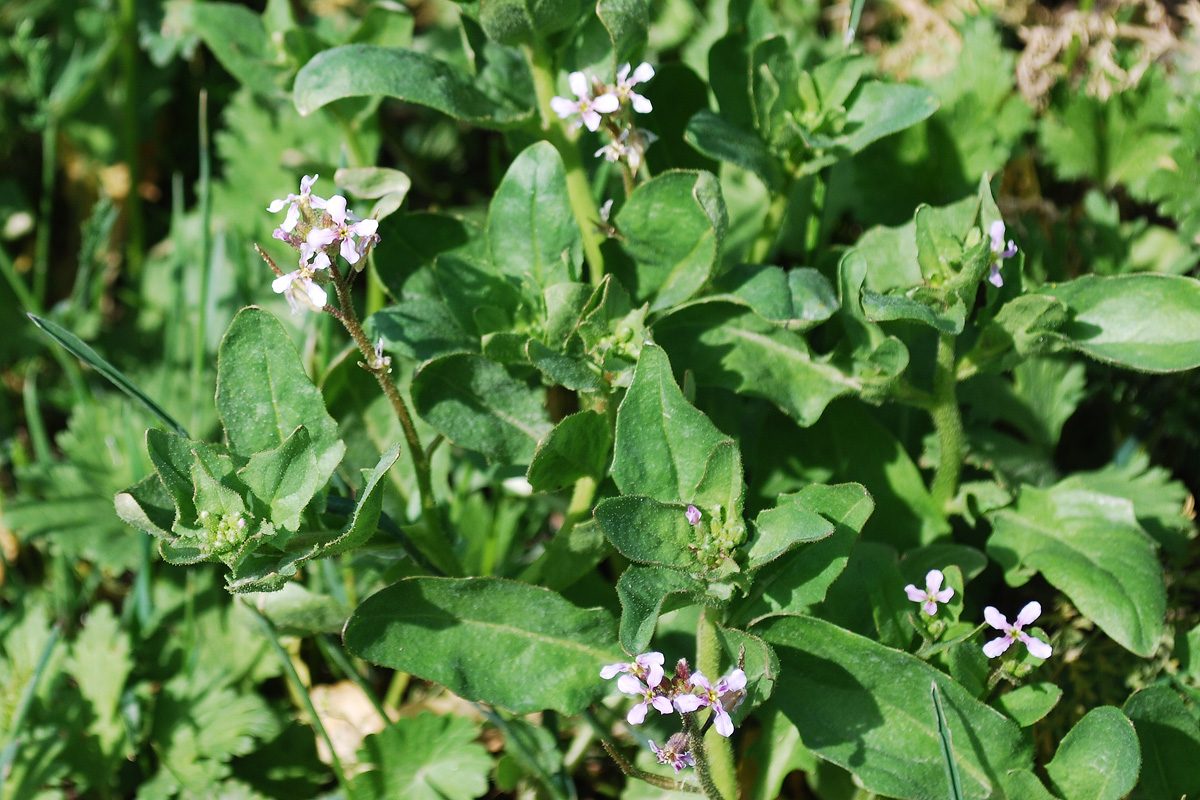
(224,533)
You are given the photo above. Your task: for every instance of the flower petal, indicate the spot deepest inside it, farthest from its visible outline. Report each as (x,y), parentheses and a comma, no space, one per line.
(933,580)
(590,118)
(613,670)
(643,73)
(995,278)
(698,680)
(996,646)
(1036,646)
(914,594)
(631,684)
(563,107)
(944,595)
(723,724)
(623,72)
(734,681)
(637,714)
(1028,614)
(606,103)
(688,703)
(579,85)
(640,104)
(336,208)
(996,619)
(930,607)
(315,293)
(663,704)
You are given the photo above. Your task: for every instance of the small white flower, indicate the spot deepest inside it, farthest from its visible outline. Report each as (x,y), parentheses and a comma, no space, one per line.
(587,107)
(294,201)
(625,85)
(299,288)
(345,228)
(1014,632)
(999,252)
(933,594)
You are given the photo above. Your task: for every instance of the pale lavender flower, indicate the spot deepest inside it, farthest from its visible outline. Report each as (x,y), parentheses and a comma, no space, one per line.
(693,515)
(587,107)
(1000,251)
(345,228)
(675,752)
(294,201)
(710,696)
(625,85)
(1014,631)
(933,594)
(647,666)
(299,288)
(651,696)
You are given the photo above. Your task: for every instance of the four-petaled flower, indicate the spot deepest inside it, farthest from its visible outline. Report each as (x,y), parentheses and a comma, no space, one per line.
(933,594)
(587,107)
(647,666)
(1000,251)
(675,752)
(1014,631)
(299,287)
(651,696)
(625,85)
(710,696)
(295,200)
(345,228)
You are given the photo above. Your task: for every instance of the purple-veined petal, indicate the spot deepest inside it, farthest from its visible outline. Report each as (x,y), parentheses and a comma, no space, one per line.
(995,619)
(1028,614)
(293,217)
(996,646)
(693,515)
(349,251)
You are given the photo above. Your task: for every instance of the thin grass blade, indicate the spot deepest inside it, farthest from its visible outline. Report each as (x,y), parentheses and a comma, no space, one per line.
(952,779)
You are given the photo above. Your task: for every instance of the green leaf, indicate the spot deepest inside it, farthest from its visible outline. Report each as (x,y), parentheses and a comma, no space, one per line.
(365,518)
(642,591)
(1170,738)
(1098,759)
(295,610)
(761,667)
(575,372)
(1091,548)
(1030,703)
(476,404)
(355,70)
(662,442)
(628,25)
(516,646)
(410,241)
(781,528)
(532,234)
(922,307)
(426,757)
(239,41)
(516,22)
(718,138)
(879,109)
(576,448)
(799,298)
(730,346)
(285,478)
(421,328)
(263,393)
(147,506)
(801,577)
(76,347)
(1148,322)
(671,232)
(569,557)
(649,532)
(866,708)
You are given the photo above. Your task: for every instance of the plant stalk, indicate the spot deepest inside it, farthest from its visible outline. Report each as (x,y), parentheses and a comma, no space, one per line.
(579,190)
(437,542)
(719,755)
(947,423)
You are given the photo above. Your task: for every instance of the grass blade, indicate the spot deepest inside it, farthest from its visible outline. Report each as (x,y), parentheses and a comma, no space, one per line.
(76,347)
(955,782)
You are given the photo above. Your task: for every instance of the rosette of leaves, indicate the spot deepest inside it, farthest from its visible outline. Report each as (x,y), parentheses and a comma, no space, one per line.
(253,502)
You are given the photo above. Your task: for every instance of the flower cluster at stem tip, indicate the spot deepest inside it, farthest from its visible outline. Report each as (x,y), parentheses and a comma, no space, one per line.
(1000,251)
(933,593)
(598,104)
(683,691)
(320,230)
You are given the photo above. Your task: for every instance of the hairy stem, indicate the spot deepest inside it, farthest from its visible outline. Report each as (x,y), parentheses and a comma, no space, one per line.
(541,64)
(947,422)
(720,755)
(696,745)
(437,544)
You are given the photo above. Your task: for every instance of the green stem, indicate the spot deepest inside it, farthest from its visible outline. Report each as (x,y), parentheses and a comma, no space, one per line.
(41,255)
(437,543)
(579,190)
(199,340)
(719,754)
(760,250)
(947,422)
(816,217)
(135,243)
(696,745)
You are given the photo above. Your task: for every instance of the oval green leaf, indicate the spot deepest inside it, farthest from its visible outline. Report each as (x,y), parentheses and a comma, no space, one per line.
(1099,759)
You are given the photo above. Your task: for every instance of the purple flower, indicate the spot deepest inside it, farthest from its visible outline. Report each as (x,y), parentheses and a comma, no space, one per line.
(675,753)
(625,85)
(647,666)
(587,107)
(345,228)
(693,515)
(299,288)
(651,696)
(295,201)
(710,696)
(933,593)
(999,252)
(1014,631)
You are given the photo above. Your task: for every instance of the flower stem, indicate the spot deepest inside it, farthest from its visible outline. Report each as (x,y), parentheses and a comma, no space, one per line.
(947,422)
(696,745)
(541,65)
(436,544)
(718,753)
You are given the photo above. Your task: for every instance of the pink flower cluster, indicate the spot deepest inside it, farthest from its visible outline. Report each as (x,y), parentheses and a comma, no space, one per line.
(684,691)
(598,103)
(319,229)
